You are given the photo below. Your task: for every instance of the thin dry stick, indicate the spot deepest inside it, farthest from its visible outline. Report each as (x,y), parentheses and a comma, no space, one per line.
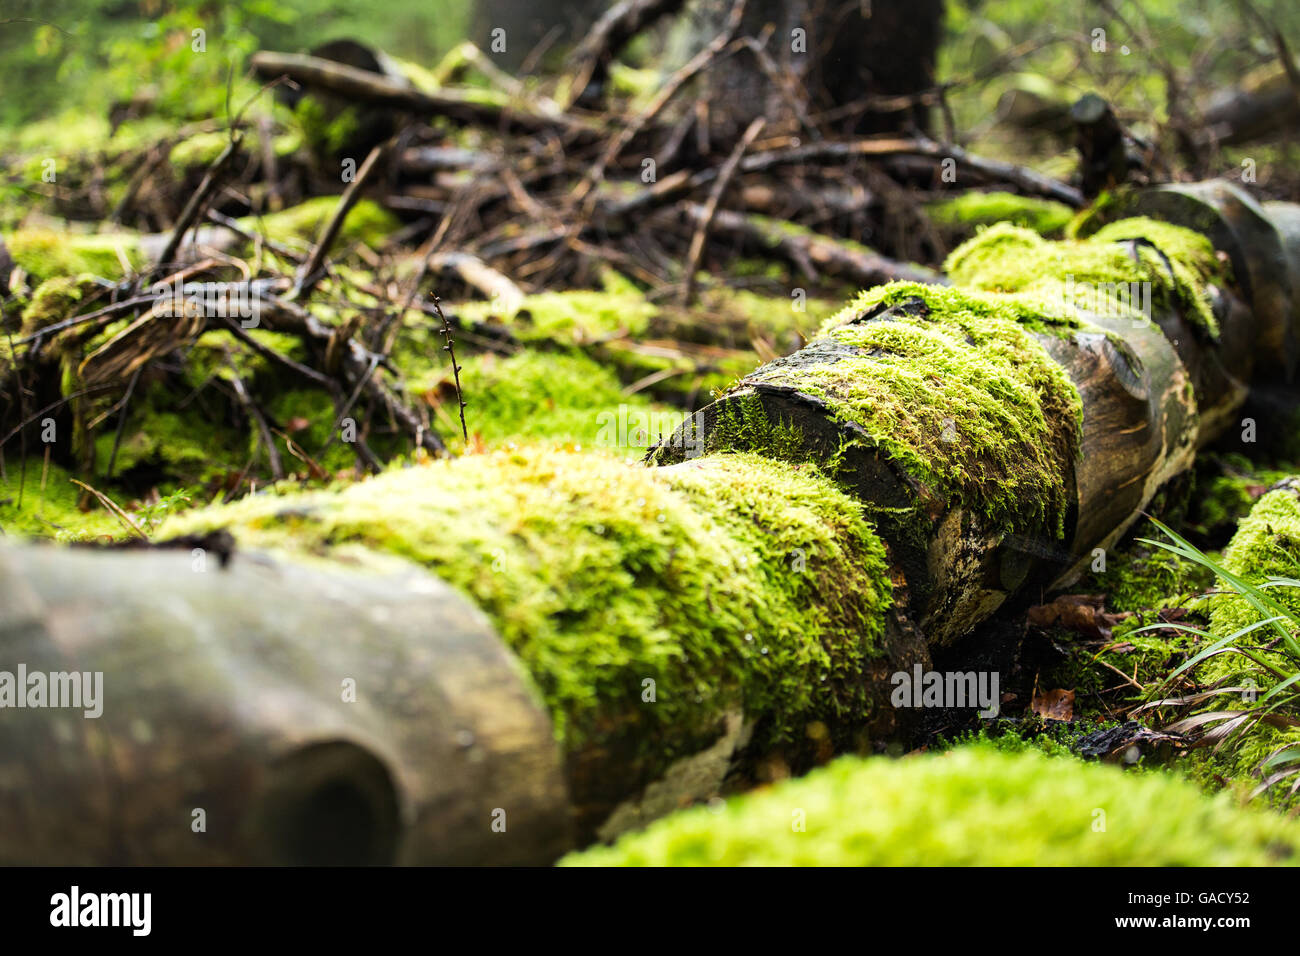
(113,508)
(450,349)
(259,422)
(711,206)
(611,32)
(313,269)
(192,208)
(669,90)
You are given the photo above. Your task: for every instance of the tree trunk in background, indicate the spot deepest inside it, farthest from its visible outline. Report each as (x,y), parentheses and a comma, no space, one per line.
(557,23)
(848,50)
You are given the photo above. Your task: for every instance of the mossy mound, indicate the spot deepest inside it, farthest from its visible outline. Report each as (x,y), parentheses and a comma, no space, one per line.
(969,210)
(55,300)
(973,806)
(730,582)
(29,510)
(956,391)
(1178,263)
(576,317)
(1266,545)
(548,396)
(46,253)
(366,222)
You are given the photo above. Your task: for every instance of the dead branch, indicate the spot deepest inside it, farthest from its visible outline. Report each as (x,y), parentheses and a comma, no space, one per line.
(705,223)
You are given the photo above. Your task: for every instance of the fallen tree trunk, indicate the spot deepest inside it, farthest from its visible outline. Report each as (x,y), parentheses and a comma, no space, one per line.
(985,432)
(683,626)
(263,713)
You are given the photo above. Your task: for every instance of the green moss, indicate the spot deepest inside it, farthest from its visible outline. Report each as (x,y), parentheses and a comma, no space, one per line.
(179,442)
(956,392)
(1139,577)
(45,253)
(968,210)
(744,425)
(326,126)
(1228,486)
(367,222)
(778,318)
(1267,544)
(55,300)
(578,316)
(1177,263)
(548,396)
(1035,314)
(80,131)
(49,512)
(730,582)
(1102,209)
(1052,738)
(200,150)
(973,806)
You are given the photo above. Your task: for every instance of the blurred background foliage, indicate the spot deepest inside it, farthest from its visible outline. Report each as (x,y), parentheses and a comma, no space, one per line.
(87,55)
(67,62)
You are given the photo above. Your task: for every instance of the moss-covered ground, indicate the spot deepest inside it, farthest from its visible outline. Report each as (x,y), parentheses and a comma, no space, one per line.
(972,806)
(964,213)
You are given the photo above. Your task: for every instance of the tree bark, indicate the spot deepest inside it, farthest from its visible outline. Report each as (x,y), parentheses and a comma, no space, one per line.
(311,715)
(829,55)
(1152,394)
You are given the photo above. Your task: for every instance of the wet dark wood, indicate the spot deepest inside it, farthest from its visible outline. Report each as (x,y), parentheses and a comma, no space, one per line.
(224,690)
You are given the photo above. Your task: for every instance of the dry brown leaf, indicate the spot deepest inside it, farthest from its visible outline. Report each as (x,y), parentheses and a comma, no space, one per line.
(1084,613)
(1054,704)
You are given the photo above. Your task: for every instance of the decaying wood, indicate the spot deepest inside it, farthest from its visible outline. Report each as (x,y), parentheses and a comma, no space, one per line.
(313,270)
(811,253)
(194,207)
(1261,244)
(1152,393)
(266,713)
(365,87)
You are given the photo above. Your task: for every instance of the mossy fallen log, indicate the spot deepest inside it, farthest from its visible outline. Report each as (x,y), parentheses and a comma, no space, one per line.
(682,624)
(265,713)
(1031,411)
(970,807)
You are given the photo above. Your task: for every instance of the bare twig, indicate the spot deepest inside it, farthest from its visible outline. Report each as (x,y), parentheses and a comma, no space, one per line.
(113,508)
(674,83)
(450,349)
(193,208)
(619,24)
(313,270)
(711,207)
